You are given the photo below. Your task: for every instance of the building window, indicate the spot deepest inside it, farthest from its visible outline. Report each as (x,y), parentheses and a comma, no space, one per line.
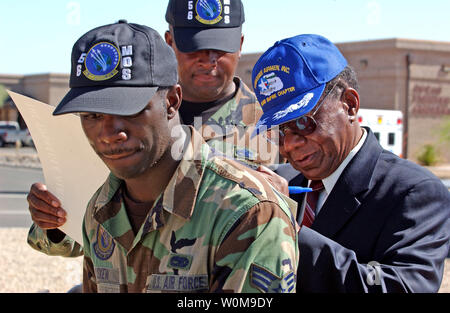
(391,139)
(364,63)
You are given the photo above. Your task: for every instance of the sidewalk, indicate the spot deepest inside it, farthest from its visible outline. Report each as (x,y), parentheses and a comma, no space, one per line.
(19,157)
(441,171)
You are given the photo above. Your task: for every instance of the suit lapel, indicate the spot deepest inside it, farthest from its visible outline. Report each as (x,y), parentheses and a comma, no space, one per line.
(338,209)
(343,200)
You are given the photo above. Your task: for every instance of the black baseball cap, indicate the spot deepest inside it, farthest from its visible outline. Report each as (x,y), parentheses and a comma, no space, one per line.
(116,69)
(206,24)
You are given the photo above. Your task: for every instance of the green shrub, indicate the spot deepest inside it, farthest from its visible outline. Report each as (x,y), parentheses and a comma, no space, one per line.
(428,156)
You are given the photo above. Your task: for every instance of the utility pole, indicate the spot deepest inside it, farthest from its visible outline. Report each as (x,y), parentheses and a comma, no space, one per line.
(406,115)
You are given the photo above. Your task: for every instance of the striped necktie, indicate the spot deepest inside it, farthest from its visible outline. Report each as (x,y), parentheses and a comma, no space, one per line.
(311,202)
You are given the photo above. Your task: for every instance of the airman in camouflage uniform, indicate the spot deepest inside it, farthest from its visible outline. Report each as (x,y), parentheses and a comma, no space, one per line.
(226,127)
(215,214)
(215,226)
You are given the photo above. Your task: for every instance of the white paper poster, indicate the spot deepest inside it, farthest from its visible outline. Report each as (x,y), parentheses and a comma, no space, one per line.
(72,170)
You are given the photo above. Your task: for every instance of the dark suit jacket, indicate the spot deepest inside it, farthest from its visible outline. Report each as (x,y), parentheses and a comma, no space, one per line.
(385,227)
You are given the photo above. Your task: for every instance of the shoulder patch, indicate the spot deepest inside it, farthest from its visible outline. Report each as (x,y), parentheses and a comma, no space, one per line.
(265,281)
(104,246)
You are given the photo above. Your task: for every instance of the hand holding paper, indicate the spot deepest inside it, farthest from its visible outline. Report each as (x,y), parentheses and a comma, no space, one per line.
(72,170)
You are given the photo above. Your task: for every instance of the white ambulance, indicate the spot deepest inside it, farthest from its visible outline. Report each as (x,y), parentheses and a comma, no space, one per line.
(387,125)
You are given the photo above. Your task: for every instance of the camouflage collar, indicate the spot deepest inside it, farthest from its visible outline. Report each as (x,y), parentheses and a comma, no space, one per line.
(180,194)
(242,110)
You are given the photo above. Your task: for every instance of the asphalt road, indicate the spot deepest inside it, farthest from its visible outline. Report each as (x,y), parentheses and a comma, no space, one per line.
(14,186)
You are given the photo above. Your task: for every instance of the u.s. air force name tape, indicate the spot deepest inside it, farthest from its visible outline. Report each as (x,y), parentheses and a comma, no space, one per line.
(181,283)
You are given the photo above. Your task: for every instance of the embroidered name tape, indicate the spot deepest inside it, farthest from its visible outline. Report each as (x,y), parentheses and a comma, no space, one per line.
(180,283)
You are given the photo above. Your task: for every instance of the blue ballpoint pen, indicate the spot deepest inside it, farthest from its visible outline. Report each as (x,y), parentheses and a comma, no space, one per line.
(298,189)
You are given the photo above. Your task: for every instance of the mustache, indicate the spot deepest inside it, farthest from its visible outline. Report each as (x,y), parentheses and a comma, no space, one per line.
(120,150)
(212,72)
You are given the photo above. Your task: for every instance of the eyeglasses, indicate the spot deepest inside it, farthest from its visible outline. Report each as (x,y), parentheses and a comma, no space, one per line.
(304,125)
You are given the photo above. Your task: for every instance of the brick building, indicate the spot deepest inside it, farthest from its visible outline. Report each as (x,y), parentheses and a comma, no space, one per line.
(49,88)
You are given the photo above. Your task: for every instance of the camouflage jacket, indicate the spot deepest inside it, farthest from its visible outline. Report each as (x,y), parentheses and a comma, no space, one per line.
(217,227)
(229,129)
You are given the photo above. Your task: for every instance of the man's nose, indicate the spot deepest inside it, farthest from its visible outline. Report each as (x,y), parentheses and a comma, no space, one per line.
(209,57)
(293,141)
(113,130)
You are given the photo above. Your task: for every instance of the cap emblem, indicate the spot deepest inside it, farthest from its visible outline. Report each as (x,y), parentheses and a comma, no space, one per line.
(101,61)
(294,107)
(208,11)
(269,83)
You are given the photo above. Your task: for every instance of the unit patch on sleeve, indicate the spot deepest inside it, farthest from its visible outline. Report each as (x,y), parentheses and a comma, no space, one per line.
(104,246)
(265,281)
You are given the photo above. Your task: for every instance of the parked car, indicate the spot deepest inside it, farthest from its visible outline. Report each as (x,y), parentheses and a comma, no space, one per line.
(10,133)
(27,140)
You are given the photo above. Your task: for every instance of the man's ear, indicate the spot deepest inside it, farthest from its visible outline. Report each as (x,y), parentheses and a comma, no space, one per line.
(350,98)
(240,48)
(173,100)
(168,37)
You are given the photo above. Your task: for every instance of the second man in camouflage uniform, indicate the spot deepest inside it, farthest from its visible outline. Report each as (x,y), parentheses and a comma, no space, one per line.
(207,39)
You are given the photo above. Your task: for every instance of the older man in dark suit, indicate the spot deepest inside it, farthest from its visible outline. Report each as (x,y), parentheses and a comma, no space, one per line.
(374,222)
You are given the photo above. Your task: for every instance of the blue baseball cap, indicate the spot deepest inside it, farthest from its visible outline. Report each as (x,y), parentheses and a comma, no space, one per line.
(290,77)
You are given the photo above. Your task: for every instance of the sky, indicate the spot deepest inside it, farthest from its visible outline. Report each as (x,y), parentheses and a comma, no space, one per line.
(37,35)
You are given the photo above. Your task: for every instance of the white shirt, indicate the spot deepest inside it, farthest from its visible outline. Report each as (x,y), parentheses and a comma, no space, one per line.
(331,180)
